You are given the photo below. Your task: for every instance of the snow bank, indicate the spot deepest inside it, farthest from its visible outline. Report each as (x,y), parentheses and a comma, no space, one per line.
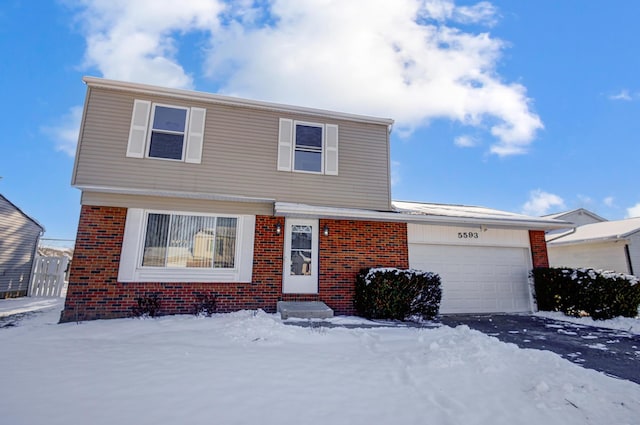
(629,324)
(249,367)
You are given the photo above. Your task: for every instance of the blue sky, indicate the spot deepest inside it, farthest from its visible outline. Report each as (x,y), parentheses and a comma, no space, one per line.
(525,106)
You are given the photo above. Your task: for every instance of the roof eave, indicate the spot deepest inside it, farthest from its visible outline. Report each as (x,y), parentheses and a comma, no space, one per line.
(286,209)
(615,238)
(231,101)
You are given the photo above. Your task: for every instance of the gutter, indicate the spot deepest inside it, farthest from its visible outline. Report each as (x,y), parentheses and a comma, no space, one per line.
(307,211)
(616,238)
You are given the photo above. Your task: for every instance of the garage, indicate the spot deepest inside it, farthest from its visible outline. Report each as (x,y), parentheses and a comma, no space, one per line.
(483,270)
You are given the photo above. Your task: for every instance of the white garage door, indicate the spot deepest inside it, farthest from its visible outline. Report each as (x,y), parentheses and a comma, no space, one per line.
(477,279)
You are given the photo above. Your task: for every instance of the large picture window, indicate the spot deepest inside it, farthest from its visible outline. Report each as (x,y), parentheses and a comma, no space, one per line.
(190,241)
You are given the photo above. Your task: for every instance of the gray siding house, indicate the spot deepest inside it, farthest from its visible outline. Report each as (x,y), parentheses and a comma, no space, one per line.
(19,235)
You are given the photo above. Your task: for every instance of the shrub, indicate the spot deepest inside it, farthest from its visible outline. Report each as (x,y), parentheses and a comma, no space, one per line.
(600,294)
(390,293)
(205,305)
(148,306)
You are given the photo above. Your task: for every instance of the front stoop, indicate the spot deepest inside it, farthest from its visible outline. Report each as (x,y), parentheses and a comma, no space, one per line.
(304,310)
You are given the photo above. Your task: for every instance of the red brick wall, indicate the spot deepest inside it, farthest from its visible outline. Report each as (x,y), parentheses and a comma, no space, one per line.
(95,293)
(538,248)
(352,245)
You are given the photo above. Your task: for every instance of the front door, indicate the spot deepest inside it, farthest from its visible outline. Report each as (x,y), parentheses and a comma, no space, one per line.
(300,257)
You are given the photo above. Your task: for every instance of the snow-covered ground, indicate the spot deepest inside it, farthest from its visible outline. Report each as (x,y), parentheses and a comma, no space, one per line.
(631,325)
(249,367)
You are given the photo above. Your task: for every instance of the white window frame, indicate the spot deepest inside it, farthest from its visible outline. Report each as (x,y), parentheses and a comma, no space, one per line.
(185,133)
(216,216)
(140,131)
(295,146)
(131,269)
(287,132)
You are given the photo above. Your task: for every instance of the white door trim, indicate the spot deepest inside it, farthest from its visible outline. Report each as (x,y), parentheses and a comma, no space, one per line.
(300,274)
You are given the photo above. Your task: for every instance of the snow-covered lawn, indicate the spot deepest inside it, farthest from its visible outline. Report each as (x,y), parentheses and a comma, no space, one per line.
(250,368)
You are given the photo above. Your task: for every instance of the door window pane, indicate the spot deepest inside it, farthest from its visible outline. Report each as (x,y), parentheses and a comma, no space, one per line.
(301,243)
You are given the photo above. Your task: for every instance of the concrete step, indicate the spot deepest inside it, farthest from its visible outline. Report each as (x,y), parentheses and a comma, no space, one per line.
(304,310)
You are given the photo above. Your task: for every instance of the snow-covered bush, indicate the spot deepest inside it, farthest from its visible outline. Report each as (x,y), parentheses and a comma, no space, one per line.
(389,293)
(597,293)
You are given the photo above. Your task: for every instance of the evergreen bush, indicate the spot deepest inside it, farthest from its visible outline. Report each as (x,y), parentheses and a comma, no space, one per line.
(389,293)
(575,292)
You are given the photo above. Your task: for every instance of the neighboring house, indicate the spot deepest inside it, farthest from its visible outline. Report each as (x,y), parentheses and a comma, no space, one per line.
(577,217)
(19,235)
(609,245)
(186,194)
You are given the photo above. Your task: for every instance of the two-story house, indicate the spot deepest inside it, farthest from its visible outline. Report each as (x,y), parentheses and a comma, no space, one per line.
(187,194)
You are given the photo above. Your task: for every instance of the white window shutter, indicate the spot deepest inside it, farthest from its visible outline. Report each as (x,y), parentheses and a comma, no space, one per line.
(138,131)
(195,136)
(285,144)
(331,150)
(133,230)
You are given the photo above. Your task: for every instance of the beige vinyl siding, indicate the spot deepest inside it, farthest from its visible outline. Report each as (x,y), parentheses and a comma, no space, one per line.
(18,239)
(634,253)
(239,156)
(605,255)
(175,204)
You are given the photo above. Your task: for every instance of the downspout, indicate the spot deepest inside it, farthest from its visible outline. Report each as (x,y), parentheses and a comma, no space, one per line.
(628,255)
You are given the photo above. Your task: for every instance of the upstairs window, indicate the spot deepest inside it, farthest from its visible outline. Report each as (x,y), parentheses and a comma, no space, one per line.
(308,147)
(168,130)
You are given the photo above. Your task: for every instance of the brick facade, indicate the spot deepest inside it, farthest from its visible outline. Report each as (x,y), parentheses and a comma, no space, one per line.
(539,254)
(95,293)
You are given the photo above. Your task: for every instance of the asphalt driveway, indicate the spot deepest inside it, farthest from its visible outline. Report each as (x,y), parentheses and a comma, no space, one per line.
(614,352)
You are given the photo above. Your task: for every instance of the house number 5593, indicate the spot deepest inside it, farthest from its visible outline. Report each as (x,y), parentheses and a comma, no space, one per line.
(467,235)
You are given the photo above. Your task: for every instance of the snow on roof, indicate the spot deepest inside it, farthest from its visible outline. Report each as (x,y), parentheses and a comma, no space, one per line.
(416,212)
(605,231)
(475,213)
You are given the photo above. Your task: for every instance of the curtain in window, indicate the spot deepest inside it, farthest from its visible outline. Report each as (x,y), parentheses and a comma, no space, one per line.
(189,241)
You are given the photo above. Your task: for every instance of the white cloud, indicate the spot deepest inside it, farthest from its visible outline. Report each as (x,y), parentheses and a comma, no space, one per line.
(465,141)
(405,62)
(135,40)
(608,201)
(634,211)
(409,62)
(623,95)
(541,203)
(65,133)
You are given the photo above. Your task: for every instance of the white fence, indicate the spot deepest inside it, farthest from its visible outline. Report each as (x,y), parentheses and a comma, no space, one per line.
(48,276)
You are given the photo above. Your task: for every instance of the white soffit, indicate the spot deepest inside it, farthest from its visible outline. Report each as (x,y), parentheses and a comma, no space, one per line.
(405,212)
